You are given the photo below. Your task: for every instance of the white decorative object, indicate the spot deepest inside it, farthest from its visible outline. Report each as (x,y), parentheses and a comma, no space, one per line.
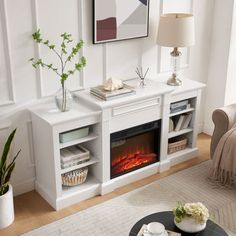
(190,225)
(6,208)
(113,84)
(191,217)
(156,229)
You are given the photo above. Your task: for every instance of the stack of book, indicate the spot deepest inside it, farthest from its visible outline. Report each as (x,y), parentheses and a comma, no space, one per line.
(182,121)
(179,106)
(103,94)
(73,155)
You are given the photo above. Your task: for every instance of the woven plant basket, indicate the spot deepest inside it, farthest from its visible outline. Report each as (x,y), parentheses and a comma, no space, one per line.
(177,146)
(74,177)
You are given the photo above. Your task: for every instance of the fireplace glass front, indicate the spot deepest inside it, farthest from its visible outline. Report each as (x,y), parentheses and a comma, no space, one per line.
(135,148)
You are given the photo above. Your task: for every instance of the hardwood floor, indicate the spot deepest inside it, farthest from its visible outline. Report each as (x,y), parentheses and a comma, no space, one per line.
(32,211)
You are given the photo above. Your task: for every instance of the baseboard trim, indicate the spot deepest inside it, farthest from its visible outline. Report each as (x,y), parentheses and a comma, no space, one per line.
(200,128)
(130,177)
(182,156)
(164,165)
(23,187)
(208,129)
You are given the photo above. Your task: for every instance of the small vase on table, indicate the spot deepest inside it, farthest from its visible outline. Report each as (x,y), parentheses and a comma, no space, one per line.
(191,217)
(190,225)
(63,98)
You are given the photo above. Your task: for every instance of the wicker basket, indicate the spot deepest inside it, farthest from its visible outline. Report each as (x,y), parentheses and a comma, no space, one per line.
(74,177)
(177,146)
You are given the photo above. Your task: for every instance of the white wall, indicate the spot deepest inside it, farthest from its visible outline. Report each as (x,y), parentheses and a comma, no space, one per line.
(220,73)
(199,57)
(21,86)
(230,95)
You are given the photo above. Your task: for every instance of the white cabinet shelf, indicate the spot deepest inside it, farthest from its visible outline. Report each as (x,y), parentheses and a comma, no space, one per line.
(90,183)
(99,116)
(92,161)
(180,132)
(189,134)
(47,129)
(90,137)
(181,112)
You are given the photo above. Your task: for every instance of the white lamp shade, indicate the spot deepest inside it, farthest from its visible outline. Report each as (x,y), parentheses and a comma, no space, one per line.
(176,30)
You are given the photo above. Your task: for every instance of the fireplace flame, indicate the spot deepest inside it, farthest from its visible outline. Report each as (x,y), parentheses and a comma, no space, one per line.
(132,160)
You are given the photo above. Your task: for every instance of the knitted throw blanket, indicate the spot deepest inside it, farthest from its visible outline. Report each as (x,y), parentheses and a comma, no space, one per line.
(224,160)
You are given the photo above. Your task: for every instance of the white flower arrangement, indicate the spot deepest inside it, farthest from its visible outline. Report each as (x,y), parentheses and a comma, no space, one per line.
(196,211)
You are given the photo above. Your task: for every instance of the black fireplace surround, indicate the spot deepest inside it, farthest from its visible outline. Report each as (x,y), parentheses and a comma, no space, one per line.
(134,148)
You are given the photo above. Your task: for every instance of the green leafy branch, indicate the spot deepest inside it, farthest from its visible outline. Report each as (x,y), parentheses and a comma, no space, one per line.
(39,62)
(63,55)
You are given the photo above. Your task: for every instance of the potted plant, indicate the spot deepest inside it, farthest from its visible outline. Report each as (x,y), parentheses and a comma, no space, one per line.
(191,217)
(65,56)
(6,193)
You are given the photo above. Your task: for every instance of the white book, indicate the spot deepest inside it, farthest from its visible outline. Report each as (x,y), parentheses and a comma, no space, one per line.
(100,91)
(179,123)
(73,153)
(185,117)
(187,121)
(112,97)
(74,162)
(171,125)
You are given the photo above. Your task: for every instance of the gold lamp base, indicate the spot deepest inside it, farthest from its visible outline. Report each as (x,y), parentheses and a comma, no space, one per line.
(173,81)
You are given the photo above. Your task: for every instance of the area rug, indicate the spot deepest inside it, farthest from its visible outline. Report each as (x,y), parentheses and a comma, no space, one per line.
(116,217)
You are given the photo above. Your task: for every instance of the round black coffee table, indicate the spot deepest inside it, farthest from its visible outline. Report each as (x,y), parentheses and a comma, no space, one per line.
(167,219)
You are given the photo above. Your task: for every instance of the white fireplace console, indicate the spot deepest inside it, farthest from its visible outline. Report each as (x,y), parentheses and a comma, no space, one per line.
(103,118)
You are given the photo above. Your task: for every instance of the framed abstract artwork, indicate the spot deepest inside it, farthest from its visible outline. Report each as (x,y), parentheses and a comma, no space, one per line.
(115,20)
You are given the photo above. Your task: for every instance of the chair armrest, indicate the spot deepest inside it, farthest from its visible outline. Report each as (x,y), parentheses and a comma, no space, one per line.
(224,118)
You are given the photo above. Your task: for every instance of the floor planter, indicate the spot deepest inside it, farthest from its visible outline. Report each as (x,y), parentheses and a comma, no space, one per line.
(6,208)
(190,225)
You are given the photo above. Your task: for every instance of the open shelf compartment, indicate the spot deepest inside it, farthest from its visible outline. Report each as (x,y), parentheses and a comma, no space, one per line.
(90,137)
(181,112)
(92,161)
(180,132)
(90,183)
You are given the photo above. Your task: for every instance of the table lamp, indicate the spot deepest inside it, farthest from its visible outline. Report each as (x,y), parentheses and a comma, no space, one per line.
(176,30)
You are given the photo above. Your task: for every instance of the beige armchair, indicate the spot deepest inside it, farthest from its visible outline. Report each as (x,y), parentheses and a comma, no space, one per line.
(224,118)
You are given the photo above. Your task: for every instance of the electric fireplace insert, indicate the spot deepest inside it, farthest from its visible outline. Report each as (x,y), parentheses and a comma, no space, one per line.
(135,148)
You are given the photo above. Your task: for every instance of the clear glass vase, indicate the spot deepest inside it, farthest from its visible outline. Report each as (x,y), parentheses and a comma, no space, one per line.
(63,99)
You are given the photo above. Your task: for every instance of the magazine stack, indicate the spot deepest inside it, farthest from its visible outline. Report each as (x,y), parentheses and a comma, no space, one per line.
(74,155)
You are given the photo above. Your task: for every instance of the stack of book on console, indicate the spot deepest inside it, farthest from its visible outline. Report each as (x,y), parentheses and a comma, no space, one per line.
(73,155)
(103,94)
(179,106)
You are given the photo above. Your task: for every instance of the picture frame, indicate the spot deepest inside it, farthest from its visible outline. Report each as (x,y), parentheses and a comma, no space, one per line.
(116,20)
